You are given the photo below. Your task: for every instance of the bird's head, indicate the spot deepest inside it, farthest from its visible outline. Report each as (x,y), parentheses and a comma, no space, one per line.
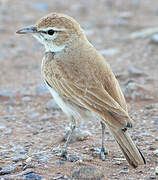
(55,31)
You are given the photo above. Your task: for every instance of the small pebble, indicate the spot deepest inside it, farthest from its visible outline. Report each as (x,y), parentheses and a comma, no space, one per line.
(29,159)
(156,170)
(2,127)
(34,115)
(26,99)
(154,39)
(156,152)
(42,89)
(109,52)
(58,162)
(87,172)
(152,148)
(46,117)
(119,159)
(7,170)
(51,105)
(19,158)
(40,6)
(152,177)
(118,163)
(145,134)
(156,120)
(125,15)
(135,71)
(30,165)
(124,171)
(8,132)
(1,55)
(32,176)
(17,148)
(6,93)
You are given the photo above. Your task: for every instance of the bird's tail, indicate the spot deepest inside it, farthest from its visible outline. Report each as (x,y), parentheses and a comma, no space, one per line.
(128,147)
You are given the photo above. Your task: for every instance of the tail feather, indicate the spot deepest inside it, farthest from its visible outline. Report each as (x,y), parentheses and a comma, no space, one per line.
(129,149)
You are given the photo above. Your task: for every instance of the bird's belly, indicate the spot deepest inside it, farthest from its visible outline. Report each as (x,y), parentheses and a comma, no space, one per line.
(71,109)
(58,100)
(63,104)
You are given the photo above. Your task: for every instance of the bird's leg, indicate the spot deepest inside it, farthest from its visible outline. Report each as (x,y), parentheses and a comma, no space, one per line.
(103,151)
(64,152)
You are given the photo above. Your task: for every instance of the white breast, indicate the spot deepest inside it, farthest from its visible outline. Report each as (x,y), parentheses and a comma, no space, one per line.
(70,111)
(58,100)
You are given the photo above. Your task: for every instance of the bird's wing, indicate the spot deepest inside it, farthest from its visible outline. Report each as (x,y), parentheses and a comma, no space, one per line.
(89,83)
(95,99)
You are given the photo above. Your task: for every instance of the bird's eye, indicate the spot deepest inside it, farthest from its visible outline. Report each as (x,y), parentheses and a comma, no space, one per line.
(51,32)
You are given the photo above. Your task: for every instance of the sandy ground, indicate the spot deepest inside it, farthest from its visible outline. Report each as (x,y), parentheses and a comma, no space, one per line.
(32,128)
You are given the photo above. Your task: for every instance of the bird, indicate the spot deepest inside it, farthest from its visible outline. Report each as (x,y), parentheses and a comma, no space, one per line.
(82,82)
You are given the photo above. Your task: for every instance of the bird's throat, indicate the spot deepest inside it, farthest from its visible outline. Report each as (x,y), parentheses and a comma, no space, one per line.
(51,47)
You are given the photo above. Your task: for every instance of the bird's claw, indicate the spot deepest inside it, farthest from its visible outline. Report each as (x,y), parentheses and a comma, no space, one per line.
(65,154)
(102,153)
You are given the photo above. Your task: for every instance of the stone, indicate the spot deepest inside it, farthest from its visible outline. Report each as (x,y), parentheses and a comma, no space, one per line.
(145,135)
(34,115)
(119,159)
(142,33)
(87,172)
(21,157)
(8,132)
(156,120)
(125,15)
(154,39)
(26,99)
(136,72)
(40,6)
(97,151)
(89,32)
(42,89)
(118,163)
(152,177)
(6,93)
(29,159)
(2,127)
(156,170)
(7,170)
(124,171)
(1,55)
(51,105)
(156,152)
(58,162)
(25,172)
(32,176)
(30,165)
(78,135)
(109,52)
(17,148)
(42,157)
(46,117)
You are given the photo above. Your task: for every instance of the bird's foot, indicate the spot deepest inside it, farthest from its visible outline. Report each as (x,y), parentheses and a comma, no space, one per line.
(65,154)
(101,152)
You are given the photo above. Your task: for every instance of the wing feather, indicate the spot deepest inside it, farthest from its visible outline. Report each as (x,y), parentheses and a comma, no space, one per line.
(95,99)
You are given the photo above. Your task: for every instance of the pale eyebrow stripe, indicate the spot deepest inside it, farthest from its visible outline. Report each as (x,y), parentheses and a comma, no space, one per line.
(53,28)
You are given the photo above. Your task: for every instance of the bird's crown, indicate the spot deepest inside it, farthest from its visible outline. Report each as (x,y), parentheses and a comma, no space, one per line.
(55,31)
(59,21)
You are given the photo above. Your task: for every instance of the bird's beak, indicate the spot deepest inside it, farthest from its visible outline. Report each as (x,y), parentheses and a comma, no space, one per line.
(27,30)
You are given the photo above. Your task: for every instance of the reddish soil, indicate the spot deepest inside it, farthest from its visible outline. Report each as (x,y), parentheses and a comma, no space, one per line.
(23,129)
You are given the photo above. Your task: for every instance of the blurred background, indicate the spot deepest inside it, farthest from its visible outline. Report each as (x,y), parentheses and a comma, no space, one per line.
(31,124)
